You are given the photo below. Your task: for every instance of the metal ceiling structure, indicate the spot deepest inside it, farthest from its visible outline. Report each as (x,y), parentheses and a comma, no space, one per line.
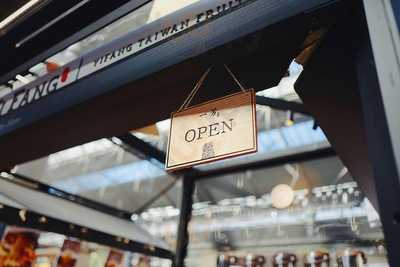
(120,75)
(113,93)
(149,152)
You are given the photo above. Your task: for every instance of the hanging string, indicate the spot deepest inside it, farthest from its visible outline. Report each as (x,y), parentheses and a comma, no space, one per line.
(234,77)
(196,88)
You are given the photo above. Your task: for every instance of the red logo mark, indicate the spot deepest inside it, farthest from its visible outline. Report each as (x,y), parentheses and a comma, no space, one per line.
(64,75)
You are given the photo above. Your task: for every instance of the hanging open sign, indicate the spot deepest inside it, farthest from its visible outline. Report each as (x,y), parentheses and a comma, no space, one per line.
(218,129)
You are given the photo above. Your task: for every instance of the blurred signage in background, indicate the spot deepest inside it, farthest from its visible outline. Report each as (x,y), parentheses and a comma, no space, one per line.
(69,253)
(18,247)
(114,259)
(218,129)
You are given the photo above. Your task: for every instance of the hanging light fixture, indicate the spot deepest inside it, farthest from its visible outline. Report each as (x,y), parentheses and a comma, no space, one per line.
(22,215)
(290,119)
(282,196)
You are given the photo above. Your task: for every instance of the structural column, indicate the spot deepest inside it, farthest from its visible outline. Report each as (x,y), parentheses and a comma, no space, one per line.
(379,81)
(184,219)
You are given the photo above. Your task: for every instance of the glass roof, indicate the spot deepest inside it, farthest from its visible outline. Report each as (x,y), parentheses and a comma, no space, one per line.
(235,212)
(101,171)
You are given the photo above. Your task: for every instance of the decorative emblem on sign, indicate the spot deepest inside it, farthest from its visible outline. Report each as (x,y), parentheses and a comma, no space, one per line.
(208,150)
(214,130)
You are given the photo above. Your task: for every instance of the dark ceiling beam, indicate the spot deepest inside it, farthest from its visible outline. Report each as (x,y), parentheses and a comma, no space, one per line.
(281,104)
(203,191)
(264,163)
(55,192)
(170,200)
(204,194)
(141,148)
(153,199)
(228,188)
(144,150)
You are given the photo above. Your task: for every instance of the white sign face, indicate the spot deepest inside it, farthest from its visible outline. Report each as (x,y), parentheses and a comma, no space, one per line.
(218,129)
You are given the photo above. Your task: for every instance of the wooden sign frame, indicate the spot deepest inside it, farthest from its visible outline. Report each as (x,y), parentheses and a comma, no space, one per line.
(203,108)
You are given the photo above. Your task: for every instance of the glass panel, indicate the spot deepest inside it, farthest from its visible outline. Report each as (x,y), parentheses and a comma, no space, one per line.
(161,219)
(325,215)
(104,172)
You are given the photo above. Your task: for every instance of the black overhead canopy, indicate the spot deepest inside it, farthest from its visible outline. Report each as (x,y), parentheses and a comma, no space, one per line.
(260,58)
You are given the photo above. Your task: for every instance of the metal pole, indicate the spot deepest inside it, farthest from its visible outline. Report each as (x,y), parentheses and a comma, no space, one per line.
(184,219)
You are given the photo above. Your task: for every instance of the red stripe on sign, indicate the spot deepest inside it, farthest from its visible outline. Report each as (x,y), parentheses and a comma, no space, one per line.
(64,75)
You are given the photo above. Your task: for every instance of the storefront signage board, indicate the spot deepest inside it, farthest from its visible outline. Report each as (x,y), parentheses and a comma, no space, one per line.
(218,129)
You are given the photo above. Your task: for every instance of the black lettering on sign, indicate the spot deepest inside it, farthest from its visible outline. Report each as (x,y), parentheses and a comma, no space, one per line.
(52,85)
(165,31)
(174,28)
(209,13)
(156,36)
(148,40)
(221,8)
(16,100)
(96,61)
(202,130)
(121,51)
(25,99)
(190,135)
(185,24)
(129,47)
(2,104)
(39,91)
(209,131)
(214,129)
(227,126)
(141,42)
(113,55)
(199,17)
